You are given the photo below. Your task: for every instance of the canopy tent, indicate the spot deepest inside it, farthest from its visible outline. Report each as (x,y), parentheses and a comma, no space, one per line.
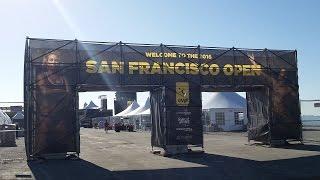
(4,118)
(134,105)
(225,100)
(140,109)
(91,105)
(18,120)
(18,116)
(146,112)
(85,105)
(225,111)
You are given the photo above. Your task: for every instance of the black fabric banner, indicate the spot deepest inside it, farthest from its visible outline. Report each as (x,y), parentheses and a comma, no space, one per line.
(55,108)
(158,130)
(258,115)
(176,116)
(56,70)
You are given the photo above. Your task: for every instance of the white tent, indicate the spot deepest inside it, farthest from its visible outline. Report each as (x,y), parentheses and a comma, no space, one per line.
(225,100)
(134,105)
(91,105)
(146,112)
(4,118)
(140,117)
(140,109)
(18,116)
(142,120)
(227,111)
(85,105)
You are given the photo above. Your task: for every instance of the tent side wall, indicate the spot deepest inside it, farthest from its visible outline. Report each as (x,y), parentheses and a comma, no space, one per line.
(229,116)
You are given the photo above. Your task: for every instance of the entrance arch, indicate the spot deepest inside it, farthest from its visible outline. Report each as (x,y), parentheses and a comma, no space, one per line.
(56,70)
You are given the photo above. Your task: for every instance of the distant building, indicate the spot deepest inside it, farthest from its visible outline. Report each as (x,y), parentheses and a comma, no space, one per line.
(91,111)
(226,111)
(16,109)
(104,104)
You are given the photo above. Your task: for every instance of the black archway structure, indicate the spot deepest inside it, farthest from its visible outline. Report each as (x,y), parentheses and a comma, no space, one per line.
(56,70)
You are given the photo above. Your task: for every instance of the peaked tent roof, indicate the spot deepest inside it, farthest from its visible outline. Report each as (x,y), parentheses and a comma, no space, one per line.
(225,100)
(85,105)
(141,108)
(4,118)
(18,115)
(91,105)
(134,105)
(146,112)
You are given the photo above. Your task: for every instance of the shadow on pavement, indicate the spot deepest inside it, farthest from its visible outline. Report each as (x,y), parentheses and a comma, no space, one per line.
(224,167)
(215,167)
(68,169)
(305,147)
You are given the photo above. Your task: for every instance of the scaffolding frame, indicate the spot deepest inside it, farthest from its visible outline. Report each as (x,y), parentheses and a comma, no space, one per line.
(79,84)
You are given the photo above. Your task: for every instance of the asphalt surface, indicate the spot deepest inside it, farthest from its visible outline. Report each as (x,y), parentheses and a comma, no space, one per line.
(126,155)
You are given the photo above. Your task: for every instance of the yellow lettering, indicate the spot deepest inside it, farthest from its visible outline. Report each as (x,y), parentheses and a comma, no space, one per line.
(91,66)
(144,68)
(187,68)
(156,69)
(214,69)
(237,69)
(117,67)
(194,68)
(246,70)
(148,54)
(178,67)
(104,67)
(156,55)
(170,55)
(133,66)
(256,70)
(204,69)
(228,69)
(168,68)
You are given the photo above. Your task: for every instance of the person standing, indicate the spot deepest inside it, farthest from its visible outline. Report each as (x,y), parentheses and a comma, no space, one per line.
(106,126)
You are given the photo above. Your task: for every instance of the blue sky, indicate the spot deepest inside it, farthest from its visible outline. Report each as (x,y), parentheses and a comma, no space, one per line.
(250,24)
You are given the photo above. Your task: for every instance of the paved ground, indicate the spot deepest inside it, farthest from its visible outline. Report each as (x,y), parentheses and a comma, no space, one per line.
(126,155)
